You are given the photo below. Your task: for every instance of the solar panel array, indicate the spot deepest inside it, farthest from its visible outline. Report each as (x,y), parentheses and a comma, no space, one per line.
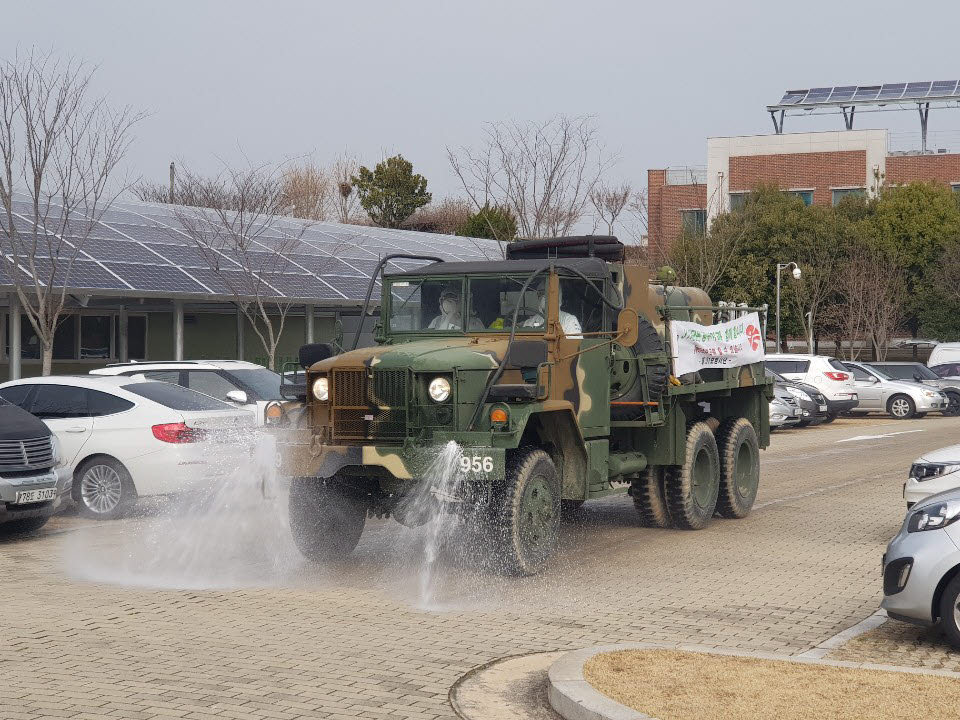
(889,92)
(146,247)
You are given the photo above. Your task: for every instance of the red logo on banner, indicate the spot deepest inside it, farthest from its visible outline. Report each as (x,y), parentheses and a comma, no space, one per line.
(753,335)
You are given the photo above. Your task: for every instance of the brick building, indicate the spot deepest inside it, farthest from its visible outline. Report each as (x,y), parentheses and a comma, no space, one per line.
(819,167)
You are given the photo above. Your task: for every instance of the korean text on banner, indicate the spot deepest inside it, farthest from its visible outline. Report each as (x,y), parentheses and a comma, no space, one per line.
(729,344)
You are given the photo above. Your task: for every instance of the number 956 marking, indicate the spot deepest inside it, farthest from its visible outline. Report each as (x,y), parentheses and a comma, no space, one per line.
(476,463)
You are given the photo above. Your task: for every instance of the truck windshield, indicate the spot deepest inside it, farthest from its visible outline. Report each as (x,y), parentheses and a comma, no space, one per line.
(493,301)
(428,305)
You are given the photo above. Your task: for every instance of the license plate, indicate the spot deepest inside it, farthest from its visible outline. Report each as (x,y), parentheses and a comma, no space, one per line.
(32,496)
(823,408)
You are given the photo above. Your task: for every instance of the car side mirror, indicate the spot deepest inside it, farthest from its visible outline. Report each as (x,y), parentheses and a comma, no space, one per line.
(916,376)
(874,379)
(237,396)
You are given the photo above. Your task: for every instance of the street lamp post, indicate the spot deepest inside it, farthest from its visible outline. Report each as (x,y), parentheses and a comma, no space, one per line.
(796,275)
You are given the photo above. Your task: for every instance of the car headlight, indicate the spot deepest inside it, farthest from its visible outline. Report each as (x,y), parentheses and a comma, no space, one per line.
(929,394)
(934,516)
(925,471)
(55,451)
(439,389)
(799,394)
(321,389)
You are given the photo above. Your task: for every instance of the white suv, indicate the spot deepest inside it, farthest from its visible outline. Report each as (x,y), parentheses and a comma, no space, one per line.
(828,374)
(241,383)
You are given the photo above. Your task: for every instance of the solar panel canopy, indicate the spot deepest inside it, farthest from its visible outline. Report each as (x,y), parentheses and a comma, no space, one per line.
(144,249)
(846,95)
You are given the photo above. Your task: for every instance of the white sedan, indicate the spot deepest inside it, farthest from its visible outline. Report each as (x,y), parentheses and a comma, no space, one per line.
(126,437)
(931,473)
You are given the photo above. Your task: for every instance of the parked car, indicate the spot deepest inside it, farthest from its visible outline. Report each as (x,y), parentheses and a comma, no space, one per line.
(784,409)
(947,371)
(34,483)
(122,438)
(918,372)
(244,384)
(931,473)
(921,584)
(878,392)
(812,403)
(944,353)
(825,373)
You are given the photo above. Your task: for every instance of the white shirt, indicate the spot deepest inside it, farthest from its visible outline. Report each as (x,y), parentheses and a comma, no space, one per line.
(569,324)
(453,322)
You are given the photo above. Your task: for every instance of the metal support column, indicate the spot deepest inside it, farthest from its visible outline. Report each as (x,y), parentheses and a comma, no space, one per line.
(178,329)
(308,324)
(13,327)
(123,333)
(924,109)
(848,119)
(241,326)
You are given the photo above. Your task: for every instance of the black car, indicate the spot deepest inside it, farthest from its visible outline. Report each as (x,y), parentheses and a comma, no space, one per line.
(813,404)
(33,485)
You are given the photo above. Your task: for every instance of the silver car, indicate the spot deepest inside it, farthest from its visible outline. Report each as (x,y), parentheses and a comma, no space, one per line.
(784,409)
(920,373)
(878,392)
(921,568)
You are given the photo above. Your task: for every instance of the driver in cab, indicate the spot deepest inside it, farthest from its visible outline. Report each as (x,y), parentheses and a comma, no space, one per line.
(568,322)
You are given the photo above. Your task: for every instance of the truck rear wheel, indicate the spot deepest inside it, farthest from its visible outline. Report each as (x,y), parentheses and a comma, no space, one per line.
(648,498)
(325,520)
(739,467)
(525,513)
(692,488)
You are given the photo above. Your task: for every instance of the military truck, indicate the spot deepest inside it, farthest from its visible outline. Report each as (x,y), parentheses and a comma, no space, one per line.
(551,370)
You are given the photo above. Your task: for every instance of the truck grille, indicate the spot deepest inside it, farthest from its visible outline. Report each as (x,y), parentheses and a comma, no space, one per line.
(19,456)
(368,405)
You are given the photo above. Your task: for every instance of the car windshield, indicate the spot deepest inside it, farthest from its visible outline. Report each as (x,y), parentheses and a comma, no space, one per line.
(175,397)
(775,375)
(264,383)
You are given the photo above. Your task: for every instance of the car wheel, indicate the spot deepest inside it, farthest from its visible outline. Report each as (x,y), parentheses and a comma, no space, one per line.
(525,513)
(648,498)
(953,404)
(326,520)
(950,611)
(829,419)
(901,407)
(739,467)
(692,488)
(26,525)
(104,488)
(920,415)
(804,423)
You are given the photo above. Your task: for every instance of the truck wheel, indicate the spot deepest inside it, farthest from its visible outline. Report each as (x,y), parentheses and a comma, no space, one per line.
(648,343)
(901,407)
(326,522)
(525,513)
(648,499)
(692,488)
(739,467)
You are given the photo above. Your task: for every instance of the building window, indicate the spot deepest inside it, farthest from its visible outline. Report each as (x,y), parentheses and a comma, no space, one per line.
(805,195)
(955,187)
(82,337)
(738,201)
(694,221)
(840,193)
(95,333)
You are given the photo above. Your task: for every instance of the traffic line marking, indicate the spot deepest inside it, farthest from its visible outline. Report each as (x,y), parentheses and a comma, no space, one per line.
(878,437)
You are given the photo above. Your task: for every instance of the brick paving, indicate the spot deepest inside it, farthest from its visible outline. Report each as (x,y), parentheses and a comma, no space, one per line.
(903,644)
(85,634)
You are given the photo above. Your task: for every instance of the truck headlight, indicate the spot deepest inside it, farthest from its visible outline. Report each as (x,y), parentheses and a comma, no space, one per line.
(439,389)
(321,389)
(934,516)
(799,394)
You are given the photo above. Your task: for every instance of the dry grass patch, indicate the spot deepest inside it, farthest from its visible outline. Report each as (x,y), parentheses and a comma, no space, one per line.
(674,685)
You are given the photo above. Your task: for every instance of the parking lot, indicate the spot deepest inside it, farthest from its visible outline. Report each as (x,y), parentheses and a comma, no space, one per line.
(96,626)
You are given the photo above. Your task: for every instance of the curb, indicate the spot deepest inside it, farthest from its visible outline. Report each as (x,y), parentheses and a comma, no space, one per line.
(574,698)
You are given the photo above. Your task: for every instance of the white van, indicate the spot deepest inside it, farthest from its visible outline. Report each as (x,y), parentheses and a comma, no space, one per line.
(944,359)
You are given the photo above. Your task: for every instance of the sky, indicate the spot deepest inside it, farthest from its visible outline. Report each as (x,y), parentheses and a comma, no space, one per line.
(230,82)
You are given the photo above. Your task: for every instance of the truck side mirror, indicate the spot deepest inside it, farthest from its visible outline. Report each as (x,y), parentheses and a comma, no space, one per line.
(628,327)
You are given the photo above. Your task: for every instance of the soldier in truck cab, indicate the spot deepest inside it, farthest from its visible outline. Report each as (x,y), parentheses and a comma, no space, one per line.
(568,321)
(451,313)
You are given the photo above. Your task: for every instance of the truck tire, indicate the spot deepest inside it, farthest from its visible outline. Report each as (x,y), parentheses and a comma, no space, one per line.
(692,488)
(326,521)
(648,498)
(525,513)
(739,467)
(648,343)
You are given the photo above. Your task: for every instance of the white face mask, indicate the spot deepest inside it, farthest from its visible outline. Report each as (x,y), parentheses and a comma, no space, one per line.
(449,306)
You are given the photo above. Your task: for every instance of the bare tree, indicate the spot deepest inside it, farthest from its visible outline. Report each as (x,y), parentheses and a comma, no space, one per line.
(544,173)
(247,246)
(308,191)
(59,148)
(637,211)
(608,203)
(701,259)
(819,255)
(442,217)
(344,197)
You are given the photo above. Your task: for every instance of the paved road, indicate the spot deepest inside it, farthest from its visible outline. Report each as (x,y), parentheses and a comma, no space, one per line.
(110,620)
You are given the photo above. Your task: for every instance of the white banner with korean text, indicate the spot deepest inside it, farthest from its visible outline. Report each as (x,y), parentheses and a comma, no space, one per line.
(728,344)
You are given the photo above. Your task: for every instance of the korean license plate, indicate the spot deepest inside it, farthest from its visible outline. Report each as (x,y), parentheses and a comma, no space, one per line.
(823,408)
(32,496)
